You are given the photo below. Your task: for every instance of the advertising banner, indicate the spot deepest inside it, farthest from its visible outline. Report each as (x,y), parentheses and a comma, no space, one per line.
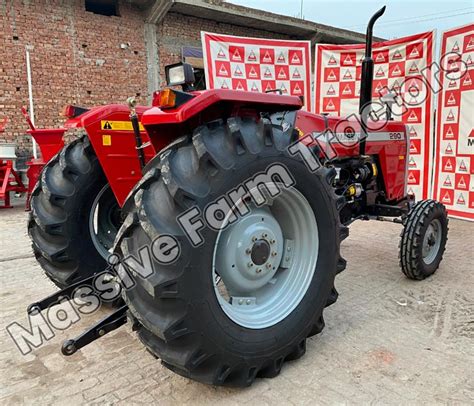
(258,65)
(401,68)
(454,157)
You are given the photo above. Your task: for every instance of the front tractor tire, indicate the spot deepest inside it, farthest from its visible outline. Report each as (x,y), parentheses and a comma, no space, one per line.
(423,239)
(245,300)
(74,215)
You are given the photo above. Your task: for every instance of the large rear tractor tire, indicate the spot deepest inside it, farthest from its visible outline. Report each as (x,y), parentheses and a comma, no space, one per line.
(243,301)
(75,216)
(423,239)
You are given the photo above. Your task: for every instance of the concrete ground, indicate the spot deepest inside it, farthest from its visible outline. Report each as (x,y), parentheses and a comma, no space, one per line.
(388,340)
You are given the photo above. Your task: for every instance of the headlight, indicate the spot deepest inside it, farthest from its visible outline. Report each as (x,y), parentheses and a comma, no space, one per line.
(179,74)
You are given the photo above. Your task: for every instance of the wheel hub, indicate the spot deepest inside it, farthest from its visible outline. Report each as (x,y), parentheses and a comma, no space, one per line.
(432,241)
(260,252)
(250,252)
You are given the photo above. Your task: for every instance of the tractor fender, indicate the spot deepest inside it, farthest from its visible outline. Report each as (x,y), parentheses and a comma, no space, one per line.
(220,101)
(110,132)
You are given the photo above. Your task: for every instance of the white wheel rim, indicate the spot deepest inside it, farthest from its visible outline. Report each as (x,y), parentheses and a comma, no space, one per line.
(103,231)
(432,241)
(260,299)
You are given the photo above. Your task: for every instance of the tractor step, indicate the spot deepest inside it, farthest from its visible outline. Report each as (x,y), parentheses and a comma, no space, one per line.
(104,326)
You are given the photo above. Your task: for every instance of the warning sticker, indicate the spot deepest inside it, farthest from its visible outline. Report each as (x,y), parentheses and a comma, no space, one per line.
(118,125)
(106,140)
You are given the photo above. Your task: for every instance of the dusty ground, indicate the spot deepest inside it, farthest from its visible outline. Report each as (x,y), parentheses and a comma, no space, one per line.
(387,340)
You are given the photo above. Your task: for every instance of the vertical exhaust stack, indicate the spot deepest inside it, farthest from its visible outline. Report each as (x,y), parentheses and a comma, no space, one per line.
(367,76)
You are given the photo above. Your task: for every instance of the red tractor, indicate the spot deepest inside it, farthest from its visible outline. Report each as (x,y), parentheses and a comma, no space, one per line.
(228,246)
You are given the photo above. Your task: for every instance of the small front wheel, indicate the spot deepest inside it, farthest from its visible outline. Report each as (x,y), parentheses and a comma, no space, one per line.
(423,239)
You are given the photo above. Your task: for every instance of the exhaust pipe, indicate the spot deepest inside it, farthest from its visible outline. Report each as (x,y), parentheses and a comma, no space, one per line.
(367,76)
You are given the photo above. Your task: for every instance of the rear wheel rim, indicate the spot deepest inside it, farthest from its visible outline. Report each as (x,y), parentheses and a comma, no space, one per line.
(432,241)
(264,263)
(104,221)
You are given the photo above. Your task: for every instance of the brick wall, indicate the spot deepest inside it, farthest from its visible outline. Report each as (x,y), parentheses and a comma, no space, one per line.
(178,30)
(76,58)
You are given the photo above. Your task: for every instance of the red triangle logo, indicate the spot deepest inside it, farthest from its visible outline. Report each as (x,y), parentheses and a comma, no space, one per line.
(237,56)
(448,166)
(446,198)
(470,45)
(447,182)
(449,133)
(297,89)
(467,80)
(282,74)
(413,68)
(330,105)
(295,59)
(347,91)
(462,183)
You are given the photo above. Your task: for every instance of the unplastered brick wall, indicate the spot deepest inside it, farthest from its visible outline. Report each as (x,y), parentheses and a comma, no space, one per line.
(179,30)
(77,57)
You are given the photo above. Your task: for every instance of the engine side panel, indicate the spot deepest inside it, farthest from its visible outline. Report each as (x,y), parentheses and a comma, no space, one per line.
(388,144)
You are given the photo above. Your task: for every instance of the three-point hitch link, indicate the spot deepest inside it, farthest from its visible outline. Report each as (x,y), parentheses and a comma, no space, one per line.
(98,330)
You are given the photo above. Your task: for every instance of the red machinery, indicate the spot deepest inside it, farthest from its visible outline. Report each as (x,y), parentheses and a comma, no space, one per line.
(225,212)
(50,142)
(10,180)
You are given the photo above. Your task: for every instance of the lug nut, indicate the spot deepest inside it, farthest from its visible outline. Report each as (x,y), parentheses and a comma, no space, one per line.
(250,264)
(248,251)
(272,242)
(269,266)
(287,258)
(248,301)
(274,254)
(264,235)
(288,249)
(259,270)
(241,301)
(254,239)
